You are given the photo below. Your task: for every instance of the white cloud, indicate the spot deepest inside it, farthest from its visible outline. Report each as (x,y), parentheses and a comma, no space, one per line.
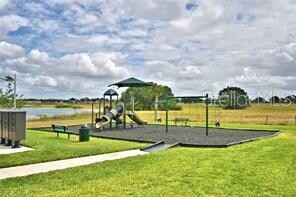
(86,43)
(11,23)
(253,79)
(134,32)
(76,72)
(37,57)
(154,9)
(189,72)
(8,50)
(246,43)
(3,3)
(45,81)
(84,19)
(209,14)
(93,65)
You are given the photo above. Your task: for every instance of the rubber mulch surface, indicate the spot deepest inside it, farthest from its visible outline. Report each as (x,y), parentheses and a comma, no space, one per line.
(190,136)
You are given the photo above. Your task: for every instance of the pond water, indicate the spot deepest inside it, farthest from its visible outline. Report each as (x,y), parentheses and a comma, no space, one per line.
(33,113)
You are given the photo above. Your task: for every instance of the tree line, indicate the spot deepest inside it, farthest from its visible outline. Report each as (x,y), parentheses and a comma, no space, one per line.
(276,99)
(145,97)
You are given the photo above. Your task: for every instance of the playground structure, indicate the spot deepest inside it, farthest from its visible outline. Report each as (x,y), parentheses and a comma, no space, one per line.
(101,121)
(104,119)
(111,115)
(113,112)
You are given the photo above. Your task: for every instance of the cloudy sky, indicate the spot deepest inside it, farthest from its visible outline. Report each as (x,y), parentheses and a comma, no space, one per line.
(75,48)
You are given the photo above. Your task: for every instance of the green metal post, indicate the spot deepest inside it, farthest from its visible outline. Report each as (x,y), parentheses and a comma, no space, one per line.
(124,115)
(92,114)
(207,115)
(166,116)
(196,113)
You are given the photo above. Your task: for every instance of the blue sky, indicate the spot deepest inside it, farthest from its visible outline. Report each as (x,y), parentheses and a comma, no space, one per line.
(71,48)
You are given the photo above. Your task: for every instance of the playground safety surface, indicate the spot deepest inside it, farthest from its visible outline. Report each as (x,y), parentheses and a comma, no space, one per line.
(186,136)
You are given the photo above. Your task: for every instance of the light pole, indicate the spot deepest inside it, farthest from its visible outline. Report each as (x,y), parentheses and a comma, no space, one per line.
(12,80)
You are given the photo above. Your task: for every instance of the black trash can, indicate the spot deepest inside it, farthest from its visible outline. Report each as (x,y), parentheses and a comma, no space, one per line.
(84,133)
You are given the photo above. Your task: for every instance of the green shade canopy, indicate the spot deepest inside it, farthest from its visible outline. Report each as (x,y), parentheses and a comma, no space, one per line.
(110,92)
(131,82)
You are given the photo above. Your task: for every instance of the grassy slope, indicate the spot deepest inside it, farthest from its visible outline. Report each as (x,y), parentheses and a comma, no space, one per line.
(264,167)
(48,147)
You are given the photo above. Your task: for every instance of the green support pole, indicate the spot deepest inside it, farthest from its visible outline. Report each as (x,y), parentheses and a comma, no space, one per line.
(124,115)
(207,115)
(166,116)
(92,114)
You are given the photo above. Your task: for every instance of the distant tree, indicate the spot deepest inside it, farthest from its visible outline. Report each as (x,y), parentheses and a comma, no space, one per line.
(259,100)
(291,98)
(94,99)
(191,100)
(145,96)
(51,100)
(233,98)
(228,90)
(72,100)
(85,99)
(275,99)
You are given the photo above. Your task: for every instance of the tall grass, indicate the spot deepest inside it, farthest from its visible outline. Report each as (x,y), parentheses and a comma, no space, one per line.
(255,114)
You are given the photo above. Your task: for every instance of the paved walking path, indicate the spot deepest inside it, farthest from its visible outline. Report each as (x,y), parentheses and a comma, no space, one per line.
(8,150)
(63,164)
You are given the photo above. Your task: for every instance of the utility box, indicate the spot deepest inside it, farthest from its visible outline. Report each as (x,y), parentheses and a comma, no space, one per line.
(12,127)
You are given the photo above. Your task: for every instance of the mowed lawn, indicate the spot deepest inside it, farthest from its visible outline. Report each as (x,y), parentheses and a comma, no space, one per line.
(47,147)
(261,168)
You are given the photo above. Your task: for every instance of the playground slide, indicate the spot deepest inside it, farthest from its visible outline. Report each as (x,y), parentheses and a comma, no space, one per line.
(107,118)
(134,117)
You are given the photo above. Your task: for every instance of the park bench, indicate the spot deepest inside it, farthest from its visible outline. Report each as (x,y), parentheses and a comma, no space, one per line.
(61,129)
(183,120)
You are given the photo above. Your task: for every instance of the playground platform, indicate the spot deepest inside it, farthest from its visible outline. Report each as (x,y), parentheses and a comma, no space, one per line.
(185,136)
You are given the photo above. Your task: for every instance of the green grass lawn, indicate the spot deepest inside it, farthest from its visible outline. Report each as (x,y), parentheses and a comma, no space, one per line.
(261,168)
(47,147)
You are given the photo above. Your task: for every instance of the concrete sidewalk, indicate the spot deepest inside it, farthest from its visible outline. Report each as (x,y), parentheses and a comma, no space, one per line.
(26,170)
(5,150)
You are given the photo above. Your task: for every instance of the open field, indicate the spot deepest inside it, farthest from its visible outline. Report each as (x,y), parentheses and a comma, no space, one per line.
(48,148)
(256,114)
(261,168)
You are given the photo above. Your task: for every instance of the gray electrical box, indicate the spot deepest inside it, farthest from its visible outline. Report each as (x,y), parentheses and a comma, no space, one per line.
(12,127)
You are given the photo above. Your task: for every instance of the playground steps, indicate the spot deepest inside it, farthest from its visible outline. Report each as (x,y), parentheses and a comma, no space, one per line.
(158,146)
